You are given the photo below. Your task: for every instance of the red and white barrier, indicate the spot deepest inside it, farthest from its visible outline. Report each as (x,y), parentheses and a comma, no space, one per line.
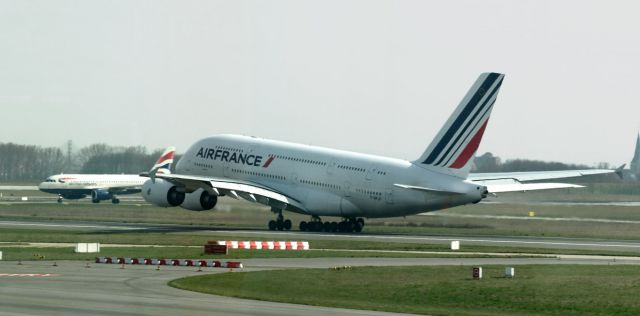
(266,245)
(171,262)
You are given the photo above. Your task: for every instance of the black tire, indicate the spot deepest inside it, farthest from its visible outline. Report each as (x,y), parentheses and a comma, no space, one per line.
(348,226)
(59,200)
(303,226)
(342,227)
(357,227)
(115,201)
(280,225)
(326,227)
(95,201)
(287,224)
(361,221)
(334,227)
(272,225)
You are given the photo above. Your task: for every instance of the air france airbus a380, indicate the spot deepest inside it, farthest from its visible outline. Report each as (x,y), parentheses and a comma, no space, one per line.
(102,186)
(327,182)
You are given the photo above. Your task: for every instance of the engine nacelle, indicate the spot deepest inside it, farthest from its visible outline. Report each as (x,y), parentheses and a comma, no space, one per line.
(162,193)
(199,200)
(100,195)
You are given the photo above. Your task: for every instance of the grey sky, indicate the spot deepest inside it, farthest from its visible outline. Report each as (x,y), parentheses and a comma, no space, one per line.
(379,77)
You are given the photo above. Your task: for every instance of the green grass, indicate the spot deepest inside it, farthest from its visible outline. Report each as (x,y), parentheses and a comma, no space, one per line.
(67,253)
(182,239)
(442,290)
(232,214)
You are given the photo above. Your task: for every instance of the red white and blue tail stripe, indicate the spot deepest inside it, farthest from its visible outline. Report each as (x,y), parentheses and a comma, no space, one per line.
(163,165)
(456,143)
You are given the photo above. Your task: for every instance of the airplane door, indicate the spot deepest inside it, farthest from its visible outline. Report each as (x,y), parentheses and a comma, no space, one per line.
(226,171)
(370,172)
(388,196)
(331,167)
(346,189)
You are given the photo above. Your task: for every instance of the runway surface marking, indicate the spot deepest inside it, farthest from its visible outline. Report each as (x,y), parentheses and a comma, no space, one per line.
(29,274)
(534,218)
(12,223)
(448,239)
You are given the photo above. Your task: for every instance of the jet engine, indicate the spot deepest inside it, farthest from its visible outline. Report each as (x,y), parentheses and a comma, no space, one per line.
(100,195)
(162,193)
(199,200)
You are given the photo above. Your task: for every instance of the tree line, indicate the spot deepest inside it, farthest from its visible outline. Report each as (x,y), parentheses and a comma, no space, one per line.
(29,162)
(490,163)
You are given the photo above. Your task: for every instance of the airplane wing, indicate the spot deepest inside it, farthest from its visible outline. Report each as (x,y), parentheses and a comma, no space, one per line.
(249,191)
(513,181)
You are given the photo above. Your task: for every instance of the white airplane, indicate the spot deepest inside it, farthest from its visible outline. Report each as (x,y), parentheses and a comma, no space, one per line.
(102,186)
(327,182)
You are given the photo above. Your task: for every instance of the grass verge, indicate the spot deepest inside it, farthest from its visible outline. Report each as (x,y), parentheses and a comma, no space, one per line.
(442,290)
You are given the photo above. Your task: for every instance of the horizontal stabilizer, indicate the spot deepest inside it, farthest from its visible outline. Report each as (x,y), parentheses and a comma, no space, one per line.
(424,189)
(522,187)
(481,178)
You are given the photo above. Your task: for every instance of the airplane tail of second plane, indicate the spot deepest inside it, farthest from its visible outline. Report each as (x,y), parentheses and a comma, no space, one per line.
(163,164)
(453,148)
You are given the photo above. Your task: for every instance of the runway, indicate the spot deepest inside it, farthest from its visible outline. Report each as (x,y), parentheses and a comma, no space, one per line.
(135,290)
(507,241)
(72,289)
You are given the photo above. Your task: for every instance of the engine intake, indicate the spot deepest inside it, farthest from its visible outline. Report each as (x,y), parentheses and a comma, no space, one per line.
(162,193)
(199,200)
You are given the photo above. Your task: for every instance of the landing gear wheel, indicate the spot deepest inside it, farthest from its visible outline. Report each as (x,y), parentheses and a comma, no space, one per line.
(334,227)
(272,225)
(280,224)
(326,227)
(361,221)
(303,226)
(357,227)
(60,200)
(287,224)
(115,201)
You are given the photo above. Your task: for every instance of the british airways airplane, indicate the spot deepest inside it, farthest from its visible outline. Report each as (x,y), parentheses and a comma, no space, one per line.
(324,182)
(102,186)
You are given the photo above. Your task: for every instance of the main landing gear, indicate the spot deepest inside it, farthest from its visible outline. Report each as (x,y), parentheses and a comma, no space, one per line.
(348,225)
(280,223)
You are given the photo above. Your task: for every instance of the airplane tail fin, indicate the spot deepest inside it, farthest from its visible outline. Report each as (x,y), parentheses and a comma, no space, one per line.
(163,164)
(452,150)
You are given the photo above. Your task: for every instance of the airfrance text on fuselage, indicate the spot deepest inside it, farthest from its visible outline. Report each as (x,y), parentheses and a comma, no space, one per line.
(225,155)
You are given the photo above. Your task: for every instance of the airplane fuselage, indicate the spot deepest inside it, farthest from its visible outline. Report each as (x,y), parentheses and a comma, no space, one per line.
(77,186)
(328,182)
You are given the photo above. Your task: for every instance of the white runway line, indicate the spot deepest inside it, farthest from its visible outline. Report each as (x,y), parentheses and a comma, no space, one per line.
(534,218)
